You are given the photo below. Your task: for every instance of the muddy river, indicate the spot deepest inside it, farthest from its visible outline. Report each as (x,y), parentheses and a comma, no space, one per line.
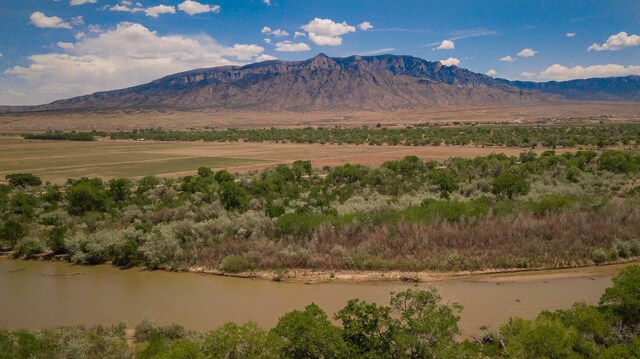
(45,294)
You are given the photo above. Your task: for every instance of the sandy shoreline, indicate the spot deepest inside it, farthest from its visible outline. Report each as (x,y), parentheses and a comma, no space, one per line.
(311,276)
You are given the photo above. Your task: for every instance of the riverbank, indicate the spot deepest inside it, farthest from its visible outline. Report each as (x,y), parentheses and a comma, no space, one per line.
(317,276)
(518,275)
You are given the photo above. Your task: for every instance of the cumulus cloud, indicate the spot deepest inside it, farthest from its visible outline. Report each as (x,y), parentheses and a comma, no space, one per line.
(267,2)
(507,59)
(492,72)
(267,40)
(299,34)
(43,21)
(65,45)
(244,52)
(527,53)
(562,73)
(365,25)
(570,34)
(156,11)
(81,2)
(290,46)
(617,42)
(125,6)
(193,7)
(445,45)
(326,32)
(277,32)
(127,55)
(450,62)
(265,57)
(77,21)
(528,75)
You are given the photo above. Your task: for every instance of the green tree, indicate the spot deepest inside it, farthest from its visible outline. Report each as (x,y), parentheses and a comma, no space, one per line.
(12,231)
(23,180)
(624,296)
(56,239)
(85,196)
(119,189)
(510,185)
(307,334)
(368,328)
(233,197)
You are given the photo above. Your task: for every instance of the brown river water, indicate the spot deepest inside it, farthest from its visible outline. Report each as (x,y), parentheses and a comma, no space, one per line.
(33,294)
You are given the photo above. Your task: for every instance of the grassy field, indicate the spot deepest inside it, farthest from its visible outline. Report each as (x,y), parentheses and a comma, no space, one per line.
(56,161)
(548,112)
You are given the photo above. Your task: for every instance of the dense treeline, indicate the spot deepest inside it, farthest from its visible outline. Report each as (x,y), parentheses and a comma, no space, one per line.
(62,136)
(415,324)
(524,211)
(512,136)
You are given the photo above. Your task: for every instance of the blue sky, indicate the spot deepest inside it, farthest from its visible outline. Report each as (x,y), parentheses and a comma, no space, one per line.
(57,49)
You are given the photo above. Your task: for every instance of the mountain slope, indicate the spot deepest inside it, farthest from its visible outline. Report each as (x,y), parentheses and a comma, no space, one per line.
(385,82)
(612,88)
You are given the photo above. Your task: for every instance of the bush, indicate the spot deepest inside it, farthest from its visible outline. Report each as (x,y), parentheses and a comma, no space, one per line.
(12,231)
(23,180)
(235,264)
(599,256)
(510,185)
(29,247)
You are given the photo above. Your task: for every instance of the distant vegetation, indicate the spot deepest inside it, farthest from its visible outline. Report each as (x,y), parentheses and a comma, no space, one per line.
(527,211)
(61,136)
(511,136)
(415,324)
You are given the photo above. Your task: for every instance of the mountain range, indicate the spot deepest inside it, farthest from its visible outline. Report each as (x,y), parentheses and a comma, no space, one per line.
(355,83)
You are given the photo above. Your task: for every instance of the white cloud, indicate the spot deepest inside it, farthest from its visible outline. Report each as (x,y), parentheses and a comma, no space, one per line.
(156,11)
(125,6)
(507,59)
(289,46)
(80,35)
(326,32)
(267,40)
(193,7)
(528,75)
(43,21)
(364,26)
(492,72)
(277,32)
(617,42)
(77,21)
(244,52)
(268,3)
(562,73)
(570,34)
(127,55)
(299,34)
(378,51)
(527,53)
(81,2)
(445,45)
(450,62)
(65,45)
(265,57)
(1,54)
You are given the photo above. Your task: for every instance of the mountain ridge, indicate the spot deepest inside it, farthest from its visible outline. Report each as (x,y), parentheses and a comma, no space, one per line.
(354,83)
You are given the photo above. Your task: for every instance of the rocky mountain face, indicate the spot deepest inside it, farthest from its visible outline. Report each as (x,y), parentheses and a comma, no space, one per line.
(612,88)
(356,83)
(385,82)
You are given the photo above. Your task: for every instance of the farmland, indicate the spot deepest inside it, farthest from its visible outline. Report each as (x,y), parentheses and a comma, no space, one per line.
(56,161)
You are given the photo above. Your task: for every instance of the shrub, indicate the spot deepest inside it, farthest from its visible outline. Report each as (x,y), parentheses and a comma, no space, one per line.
(599,256)
(235,264)
(23,180)
(12,231)
(29,247)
